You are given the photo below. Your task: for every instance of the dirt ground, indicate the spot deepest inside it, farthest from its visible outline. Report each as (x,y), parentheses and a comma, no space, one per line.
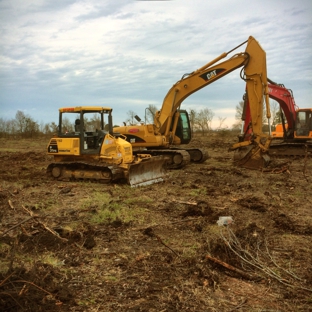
(81,246)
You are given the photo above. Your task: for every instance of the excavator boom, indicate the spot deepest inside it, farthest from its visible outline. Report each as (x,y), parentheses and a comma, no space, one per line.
(254,62)
(193,82)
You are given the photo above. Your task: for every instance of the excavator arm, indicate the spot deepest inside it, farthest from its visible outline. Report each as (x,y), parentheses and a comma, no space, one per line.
(193,82)
(253,61)
(285,99)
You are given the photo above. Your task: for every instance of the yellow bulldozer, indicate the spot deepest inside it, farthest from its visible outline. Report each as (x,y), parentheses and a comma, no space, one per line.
(86,148)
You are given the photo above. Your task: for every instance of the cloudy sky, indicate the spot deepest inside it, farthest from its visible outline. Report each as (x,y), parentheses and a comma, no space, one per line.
(127,54)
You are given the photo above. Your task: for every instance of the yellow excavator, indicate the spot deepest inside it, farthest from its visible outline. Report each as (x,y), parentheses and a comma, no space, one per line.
(86,148)
(171,126)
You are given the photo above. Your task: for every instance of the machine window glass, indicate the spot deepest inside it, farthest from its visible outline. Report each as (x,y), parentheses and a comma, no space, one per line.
(92,121)
(68,124)
(185,123)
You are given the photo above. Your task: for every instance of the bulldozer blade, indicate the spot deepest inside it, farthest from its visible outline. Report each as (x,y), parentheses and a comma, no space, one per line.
(146,172)
(251,157)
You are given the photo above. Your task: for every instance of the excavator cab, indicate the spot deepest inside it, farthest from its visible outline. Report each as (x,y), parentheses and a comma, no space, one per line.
(303,128)
(183,130)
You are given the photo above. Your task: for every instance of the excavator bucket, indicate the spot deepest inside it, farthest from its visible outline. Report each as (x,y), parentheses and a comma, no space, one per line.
(148,171)
(251,157)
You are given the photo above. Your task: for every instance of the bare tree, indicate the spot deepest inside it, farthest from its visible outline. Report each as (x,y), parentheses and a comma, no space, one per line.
(46,129)
(11,126)
(275,109)
(192,116)
(238,115)
(203,119)
(278,117)
(26,126)
(3,127)
(53,127)
(131,117)
(32,127)
(150,112)
(67,125)
(221,122)
(239,110)
(20,118)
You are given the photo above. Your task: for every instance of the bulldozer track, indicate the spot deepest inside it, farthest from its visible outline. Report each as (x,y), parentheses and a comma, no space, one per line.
(145,172)
(83,171)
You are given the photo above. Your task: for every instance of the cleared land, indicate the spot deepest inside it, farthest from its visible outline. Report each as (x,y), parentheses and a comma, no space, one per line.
(81,246)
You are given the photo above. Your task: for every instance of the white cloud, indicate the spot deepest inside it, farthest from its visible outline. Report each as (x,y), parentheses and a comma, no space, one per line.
(128,54)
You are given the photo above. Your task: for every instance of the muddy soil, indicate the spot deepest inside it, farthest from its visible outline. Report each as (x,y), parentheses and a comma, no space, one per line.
(81,246)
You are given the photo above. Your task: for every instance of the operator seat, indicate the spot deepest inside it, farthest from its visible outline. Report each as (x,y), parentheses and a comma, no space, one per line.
(77,125)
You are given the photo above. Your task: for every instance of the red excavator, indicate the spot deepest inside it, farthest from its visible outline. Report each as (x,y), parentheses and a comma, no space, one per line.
(292,136)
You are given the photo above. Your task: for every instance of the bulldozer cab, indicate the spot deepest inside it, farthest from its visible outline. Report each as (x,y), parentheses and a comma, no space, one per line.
(87,124)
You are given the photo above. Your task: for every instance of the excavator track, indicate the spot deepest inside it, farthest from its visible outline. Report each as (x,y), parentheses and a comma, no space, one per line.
(290,149)
(175,158)
(197,155)
(178,158)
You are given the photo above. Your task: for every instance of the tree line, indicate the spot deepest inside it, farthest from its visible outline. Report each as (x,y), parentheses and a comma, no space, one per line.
(200,120)
(276,115)
(24,126)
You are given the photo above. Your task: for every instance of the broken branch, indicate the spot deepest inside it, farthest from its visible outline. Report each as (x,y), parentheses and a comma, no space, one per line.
(18,224)
(45,226)
(10,204)
(232,268)
(185,202)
